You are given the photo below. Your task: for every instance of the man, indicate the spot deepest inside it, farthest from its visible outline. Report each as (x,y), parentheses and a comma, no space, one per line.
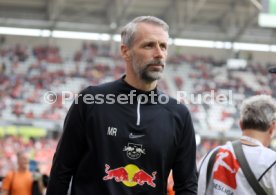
(258,124)
(128,148)
(20,182)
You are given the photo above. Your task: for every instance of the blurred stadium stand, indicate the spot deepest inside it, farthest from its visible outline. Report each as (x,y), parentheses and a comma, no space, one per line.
(28,73)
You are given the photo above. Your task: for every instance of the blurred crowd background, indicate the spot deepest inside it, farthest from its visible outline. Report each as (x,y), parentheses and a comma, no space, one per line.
(28,121)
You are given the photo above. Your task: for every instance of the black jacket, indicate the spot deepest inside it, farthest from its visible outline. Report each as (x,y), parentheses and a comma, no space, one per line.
(124,149)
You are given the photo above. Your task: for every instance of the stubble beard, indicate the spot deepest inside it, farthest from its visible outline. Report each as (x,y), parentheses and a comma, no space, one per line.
(144,71)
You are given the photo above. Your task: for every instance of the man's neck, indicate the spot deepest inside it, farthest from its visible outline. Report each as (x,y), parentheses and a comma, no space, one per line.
(22,170)
(255,134)
(138,84)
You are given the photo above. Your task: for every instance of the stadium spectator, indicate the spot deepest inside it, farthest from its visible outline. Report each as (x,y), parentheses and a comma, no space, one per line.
(258,124)
(110,148)
(21,181)
(41,150)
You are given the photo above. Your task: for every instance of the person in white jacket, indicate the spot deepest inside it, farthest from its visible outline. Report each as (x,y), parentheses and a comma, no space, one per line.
(258,125)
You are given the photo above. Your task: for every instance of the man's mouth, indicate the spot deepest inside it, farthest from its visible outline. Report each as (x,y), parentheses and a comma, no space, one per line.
(156,66)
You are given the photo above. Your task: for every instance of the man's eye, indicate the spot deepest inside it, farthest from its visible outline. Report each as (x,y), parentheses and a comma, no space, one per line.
(148,46)
(163,46)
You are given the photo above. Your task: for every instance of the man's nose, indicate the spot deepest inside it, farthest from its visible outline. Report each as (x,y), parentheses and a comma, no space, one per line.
(159,53)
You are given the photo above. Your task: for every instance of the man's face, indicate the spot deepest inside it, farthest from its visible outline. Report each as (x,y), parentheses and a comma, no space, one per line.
(148,52)
(23,161)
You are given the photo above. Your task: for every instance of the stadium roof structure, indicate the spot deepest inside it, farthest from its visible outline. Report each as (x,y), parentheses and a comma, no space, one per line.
(218,20)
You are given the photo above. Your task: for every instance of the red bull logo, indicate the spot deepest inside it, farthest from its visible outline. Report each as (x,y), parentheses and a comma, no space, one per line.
(119,174)
(141,177)
(130,175)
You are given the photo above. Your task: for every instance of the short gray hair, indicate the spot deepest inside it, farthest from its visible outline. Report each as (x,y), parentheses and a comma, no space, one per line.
(258,112)
(128,31)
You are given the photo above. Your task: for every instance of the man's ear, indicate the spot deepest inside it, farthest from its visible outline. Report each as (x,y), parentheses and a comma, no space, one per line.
(125,52)
(272,129)
(241,126)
